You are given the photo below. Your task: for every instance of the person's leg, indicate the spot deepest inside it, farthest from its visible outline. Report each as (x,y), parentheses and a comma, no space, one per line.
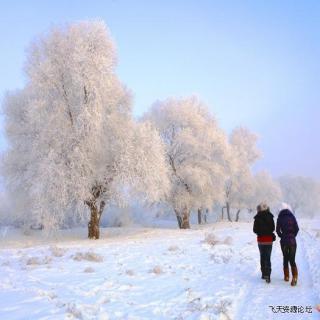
(292,256)
(261,251)
(285,252)
(293,265)
(268,250)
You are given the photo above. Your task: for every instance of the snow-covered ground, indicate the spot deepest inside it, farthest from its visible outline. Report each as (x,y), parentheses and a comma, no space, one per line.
(211,272)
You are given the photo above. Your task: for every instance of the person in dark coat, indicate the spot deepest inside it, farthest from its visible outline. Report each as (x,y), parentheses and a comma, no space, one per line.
(287,230)
(264,227)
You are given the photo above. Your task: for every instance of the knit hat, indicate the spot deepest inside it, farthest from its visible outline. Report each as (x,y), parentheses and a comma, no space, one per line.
(262,207)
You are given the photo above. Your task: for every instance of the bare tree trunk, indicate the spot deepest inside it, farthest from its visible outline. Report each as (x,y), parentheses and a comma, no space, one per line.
(199,216)
(185,223)
(205,215)
(228,211)
(238,215)
(95,216)
(178,218)
(222,212)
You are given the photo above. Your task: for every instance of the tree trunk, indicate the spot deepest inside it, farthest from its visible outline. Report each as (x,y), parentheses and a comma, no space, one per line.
(94,223)
(185,223)
(228,211)
(237,215)
(178,218)
(205,215)
(199,216)
(222,213)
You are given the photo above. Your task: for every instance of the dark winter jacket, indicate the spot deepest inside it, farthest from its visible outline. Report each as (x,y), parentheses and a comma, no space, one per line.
(264,226)
(287,227)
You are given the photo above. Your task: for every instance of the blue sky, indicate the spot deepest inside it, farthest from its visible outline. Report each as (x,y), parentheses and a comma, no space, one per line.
(255,63)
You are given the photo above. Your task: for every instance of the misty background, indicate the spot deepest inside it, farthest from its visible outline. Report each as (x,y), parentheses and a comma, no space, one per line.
(254,63)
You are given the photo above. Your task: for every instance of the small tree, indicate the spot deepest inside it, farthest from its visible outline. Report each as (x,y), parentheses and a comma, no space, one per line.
(202,215)
(239,184)
(241,194)
(195,153)
(266,189)
(72,142)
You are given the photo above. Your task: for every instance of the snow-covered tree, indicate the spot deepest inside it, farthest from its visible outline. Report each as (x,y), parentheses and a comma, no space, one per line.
(239,185)
(266,190)
(72,142)
(302,193)
(239,192)
(195,152)
(244,144)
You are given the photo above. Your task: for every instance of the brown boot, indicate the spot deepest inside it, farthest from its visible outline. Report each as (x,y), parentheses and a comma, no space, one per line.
(286,274)
(294,271)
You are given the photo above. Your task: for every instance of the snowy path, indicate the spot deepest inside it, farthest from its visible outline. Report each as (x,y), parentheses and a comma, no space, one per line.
(259,296)
(211,273)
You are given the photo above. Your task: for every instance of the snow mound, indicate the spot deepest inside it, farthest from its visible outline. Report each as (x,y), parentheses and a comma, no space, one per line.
(88,270)
(89,256)
(173,248)
(211,239)
(32,261)
(57,251)
(130,272)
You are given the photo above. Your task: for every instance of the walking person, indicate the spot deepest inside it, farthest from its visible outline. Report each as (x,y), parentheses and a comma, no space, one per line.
(264,227)
(287,230)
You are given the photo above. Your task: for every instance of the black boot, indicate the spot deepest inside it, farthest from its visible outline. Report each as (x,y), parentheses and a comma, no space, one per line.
(268,280)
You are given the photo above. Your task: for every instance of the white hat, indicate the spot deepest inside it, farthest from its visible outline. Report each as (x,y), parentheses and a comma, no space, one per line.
(285,206)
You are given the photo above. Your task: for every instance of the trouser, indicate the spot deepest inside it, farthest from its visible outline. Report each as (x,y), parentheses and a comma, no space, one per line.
(265,259)
(289,255)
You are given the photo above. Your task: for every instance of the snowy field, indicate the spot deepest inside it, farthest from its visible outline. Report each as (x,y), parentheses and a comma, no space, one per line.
(211,272)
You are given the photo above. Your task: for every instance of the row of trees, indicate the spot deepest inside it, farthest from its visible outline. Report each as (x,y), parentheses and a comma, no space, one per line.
(75,148)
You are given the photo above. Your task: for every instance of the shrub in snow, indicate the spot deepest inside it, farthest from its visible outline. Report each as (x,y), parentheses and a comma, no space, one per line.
(74,311)
(57,252)
(173,248)
(88,270)
(157,270)
(38,260)
(130,272)
(89,256)
(228,241)
(210,239)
